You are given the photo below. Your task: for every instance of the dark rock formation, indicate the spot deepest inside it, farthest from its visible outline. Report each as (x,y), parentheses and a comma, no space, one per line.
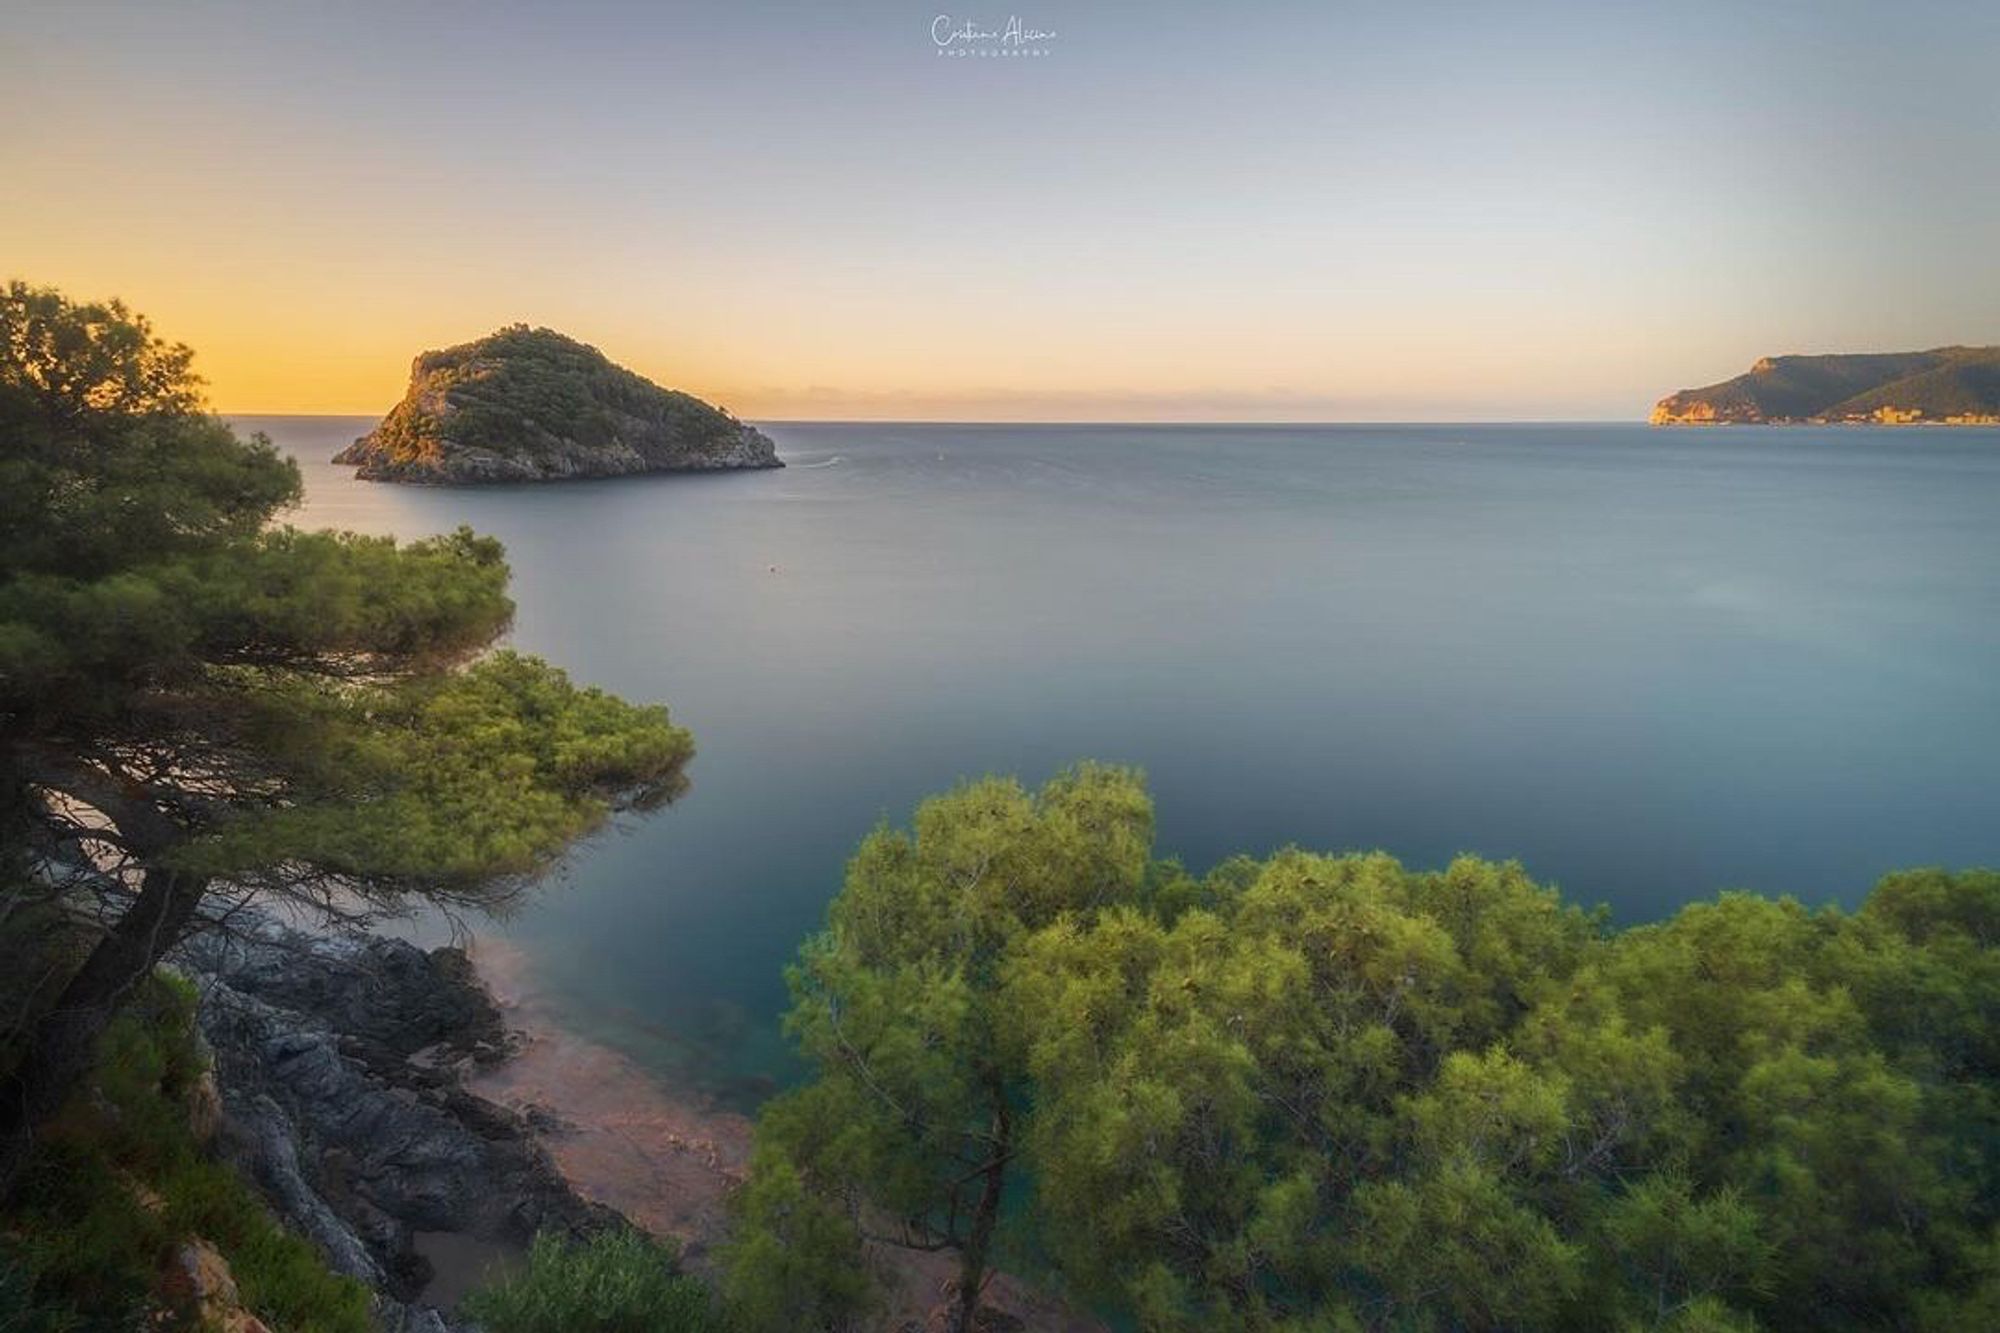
(532,405)
(338,1059)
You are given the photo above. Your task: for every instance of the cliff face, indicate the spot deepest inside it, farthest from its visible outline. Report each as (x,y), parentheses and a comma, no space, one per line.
(1945,385)
(1705,407)
(532,405)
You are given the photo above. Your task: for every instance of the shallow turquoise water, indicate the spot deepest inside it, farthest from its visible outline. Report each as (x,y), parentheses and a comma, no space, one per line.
(1649,664)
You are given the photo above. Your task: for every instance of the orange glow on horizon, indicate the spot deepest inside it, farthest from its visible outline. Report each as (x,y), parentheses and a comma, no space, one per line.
(308,348)
(1471,221)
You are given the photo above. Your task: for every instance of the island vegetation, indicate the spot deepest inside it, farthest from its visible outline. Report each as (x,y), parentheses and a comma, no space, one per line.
(1953,386)
(1298,1094)
(528,404)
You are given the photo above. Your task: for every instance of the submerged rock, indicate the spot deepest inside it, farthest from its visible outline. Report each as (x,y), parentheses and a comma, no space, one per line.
(528,404)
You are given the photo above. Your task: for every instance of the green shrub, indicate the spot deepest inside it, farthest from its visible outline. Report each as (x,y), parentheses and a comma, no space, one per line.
(618,1282)
(22,1309)
(279,1275)
(82,1241)
(119,1181)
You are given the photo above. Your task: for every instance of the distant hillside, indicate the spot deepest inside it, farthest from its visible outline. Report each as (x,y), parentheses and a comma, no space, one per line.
(1947,385)
(528,404)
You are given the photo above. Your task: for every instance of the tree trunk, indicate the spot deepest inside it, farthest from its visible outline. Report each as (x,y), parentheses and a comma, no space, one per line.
(978,1245)
(62,1045)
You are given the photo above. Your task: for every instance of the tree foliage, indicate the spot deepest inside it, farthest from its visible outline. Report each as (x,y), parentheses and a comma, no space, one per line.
(1329,1092)
(198,704)
(911,1127)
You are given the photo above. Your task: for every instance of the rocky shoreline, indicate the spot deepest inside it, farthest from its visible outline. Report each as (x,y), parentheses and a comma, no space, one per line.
(340,1064)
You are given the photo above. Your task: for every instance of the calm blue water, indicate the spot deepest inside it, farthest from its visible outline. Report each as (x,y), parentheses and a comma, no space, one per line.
(1649,664)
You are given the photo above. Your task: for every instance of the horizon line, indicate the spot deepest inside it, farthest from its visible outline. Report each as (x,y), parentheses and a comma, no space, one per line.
(1086,421)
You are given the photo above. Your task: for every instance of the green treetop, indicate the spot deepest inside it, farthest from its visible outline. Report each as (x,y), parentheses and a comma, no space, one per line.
(1321,1093)
(909,1136)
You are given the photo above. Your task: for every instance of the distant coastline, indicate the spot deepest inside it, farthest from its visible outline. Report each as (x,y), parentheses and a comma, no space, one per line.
(1944,386)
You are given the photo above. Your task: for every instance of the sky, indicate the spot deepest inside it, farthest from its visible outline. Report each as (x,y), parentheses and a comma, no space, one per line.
(1346,210)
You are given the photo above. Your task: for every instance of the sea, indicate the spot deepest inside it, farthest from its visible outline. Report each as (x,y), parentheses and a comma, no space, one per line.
(1651,665)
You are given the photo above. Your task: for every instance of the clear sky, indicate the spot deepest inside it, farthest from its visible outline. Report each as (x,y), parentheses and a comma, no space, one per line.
(1341,210)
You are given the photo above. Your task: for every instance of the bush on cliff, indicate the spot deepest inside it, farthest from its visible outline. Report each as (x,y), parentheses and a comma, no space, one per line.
(118,1181)
(616,1282)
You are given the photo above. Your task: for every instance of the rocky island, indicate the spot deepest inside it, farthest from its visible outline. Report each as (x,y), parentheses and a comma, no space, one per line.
(530,404)
(1951,386)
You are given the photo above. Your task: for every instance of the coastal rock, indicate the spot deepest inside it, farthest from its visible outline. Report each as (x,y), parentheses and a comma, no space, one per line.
(943,1318)
(204,1099)
(528,404)
(357,1145)
(197,1284)
(1690,408)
